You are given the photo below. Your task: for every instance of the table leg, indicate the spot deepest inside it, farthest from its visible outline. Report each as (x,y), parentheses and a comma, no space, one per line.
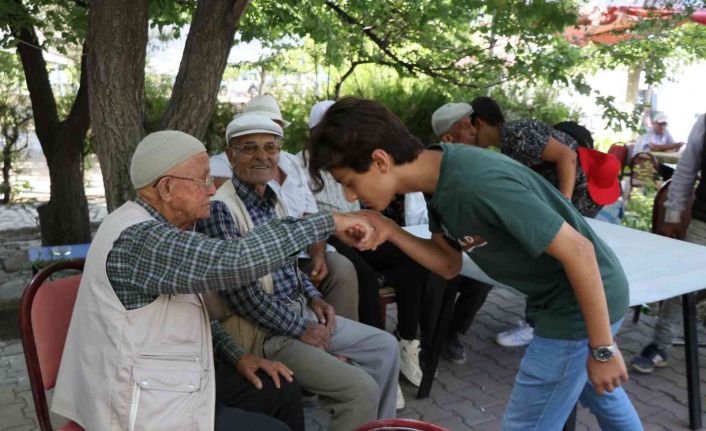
(441,324)
(692,360)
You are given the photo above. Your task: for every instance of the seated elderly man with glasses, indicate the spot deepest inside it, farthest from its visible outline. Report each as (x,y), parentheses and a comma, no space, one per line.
(138,353)
(352,367)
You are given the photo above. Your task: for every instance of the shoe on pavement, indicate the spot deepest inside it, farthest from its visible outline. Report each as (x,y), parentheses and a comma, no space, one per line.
(400,398)
(454,350)
(650,357)
(520,335)
(409,361)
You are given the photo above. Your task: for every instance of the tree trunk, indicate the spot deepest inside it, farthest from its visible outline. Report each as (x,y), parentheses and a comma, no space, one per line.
(117,40)
(61,141)
(202,65)
(67,210)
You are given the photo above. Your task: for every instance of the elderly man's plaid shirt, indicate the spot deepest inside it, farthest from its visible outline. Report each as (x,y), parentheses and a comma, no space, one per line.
(154,257)
(251,302)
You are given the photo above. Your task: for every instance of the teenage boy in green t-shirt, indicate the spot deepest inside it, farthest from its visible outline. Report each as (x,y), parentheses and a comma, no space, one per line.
(520,231)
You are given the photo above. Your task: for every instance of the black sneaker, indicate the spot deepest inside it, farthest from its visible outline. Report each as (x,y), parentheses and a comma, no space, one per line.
(454,350)
(650,357)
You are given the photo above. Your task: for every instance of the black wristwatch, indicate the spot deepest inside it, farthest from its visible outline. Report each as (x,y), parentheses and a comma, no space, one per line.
(603,353)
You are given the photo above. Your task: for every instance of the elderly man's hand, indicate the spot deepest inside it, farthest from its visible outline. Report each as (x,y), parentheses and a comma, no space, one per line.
(325,313)
(316,335)
(354,230)
(248,365)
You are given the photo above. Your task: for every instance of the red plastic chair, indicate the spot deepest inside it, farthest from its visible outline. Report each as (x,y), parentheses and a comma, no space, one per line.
(400,425)
(45,314)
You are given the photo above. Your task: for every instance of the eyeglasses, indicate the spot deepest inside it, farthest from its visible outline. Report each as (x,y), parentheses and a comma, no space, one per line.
(252,148)
(205,182)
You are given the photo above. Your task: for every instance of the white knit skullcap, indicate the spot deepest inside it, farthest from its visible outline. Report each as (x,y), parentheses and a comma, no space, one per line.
(318,111)
(160,151)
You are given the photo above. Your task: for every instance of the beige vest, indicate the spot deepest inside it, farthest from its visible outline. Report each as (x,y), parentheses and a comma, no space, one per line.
(248,335)
(145,369)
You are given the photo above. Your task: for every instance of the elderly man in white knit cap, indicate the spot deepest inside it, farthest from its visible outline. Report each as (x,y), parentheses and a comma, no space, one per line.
(138,354)
(294,324)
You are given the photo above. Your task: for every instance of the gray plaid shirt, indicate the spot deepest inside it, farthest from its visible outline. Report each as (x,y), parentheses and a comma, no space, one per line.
(155,257)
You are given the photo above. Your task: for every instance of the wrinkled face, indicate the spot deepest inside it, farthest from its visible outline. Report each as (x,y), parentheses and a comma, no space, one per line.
(659,128)
(254,157)
(374,188)
(189,194)
(462,132)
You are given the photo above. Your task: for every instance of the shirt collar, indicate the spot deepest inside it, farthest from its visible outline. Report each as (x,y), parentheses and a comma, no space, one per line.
(151,210)
(250,198)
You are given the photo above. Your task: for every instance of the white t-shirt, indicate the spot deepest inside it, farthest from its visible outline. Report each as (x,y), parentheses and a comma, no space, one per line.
(653,138)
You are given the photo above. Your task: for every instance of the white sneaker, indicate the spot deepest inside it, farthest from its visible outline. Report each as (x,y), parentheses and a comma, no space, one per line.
(409,361)
(400,398)
(520,335)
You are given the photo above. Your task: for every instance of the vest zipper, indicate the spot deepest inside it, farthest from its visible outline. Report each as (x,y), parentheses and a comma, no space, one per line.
(133,406)
(173,357)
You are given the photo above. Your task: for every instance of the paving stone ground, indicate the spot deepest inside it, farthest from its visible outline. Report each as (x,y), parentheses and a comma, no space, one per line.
(464,397)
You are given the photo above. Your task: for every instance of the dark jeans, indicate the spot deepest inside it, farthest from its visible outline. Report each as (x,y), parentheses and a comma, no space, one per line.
(369,283)
(239,400)
(399,271)
(472,295)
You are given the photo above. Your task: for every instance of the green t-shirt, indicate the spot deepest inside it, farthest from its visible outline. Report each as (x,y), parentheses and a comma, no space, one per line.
(504,215)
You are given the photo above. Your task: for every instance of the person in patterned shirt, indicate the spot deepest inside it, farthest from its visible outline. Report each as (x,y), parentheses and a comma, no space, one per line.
(549,152)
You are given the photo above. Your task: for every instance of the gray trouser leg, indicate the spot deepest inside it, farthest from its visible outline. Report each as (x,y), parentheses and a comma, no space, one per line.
(670,313)
(340,287)
(355,393)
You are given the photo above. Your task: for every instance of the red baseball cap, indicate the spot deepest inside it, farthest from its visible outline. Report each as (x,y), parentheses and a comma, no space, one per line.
(602,171)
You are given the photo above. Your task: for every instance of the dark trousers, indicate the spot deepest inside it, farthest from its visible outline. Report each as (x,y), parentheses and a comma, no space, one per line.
(399,271)
(472,295)
(369,283)
(239,400)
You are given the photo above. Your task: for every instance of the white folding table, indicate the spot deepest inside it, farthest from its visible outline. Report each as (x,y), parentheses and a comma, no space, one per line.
(656,267)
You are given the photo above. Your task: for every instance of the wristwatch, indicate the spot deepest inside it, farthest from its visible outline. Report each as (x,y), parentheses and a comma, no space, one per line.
(603,353)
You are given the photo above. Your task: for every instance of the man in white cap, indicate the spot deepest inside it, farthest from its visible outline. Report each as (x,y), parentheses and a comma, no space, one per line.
(221,171)
(293,322)
(452,123)
(138,353)
(267,106)
(659,139)
(332,273)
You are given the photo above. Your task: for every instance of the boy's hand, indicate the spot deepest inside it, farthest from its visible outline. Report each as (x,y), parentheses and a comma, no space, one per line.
(384,227)
(607,376)
(354,230)
(325,313)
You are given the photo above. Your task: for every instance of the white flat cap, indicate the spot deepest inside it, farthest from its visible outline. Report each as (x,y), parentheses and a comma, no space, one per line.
(267,106)
(443,118)
(160,151)
(251,123)
(661,117)
(318,111)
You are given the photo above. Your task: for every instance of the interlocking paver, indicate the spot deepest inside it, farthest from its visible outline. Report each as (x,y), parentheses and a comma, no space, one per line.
(464,397)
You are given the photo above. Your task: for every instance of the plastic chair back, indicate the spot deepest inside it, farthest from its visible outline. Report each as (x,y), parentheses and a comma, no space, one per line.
(45,314)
